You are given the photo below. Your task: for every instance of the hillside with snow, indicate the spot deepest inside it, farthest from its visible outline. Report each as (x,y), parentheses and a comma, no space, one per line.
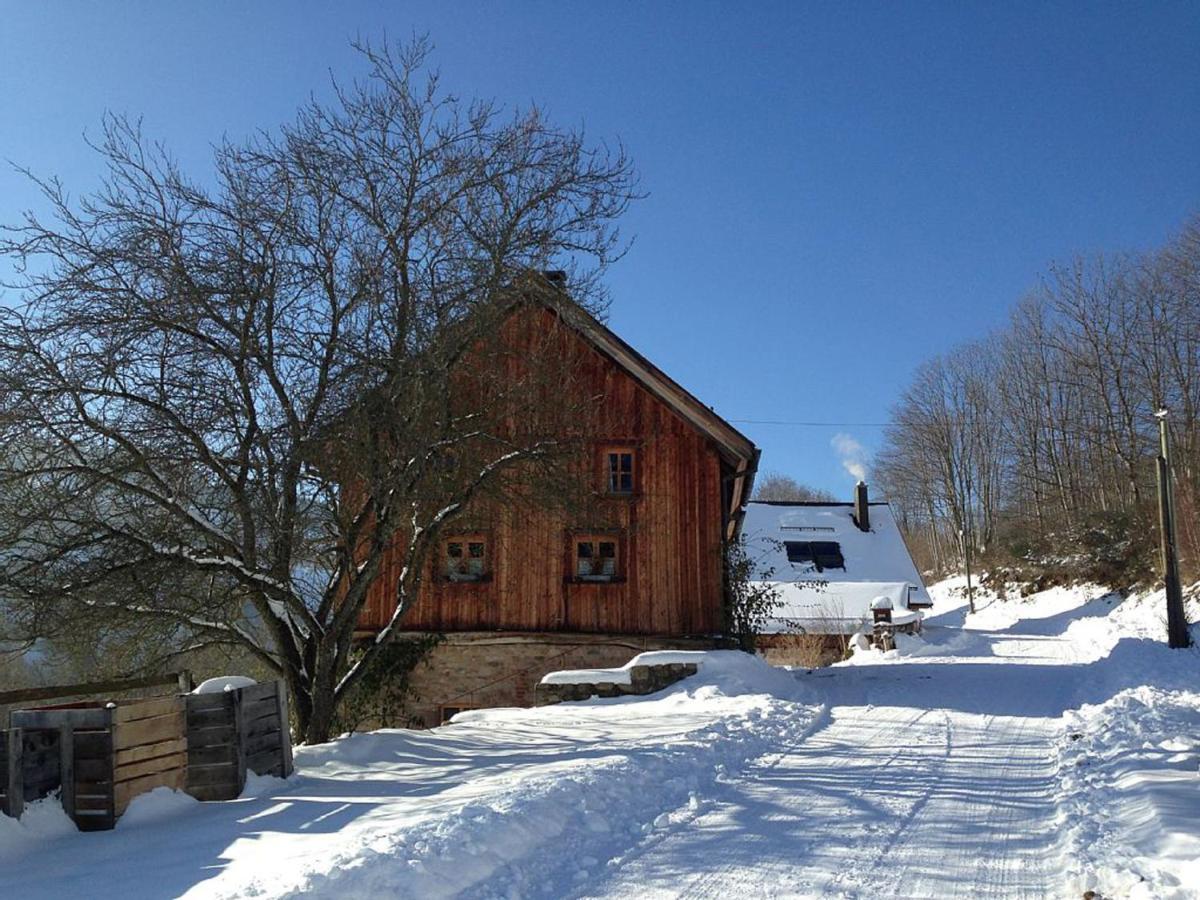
(1038,748)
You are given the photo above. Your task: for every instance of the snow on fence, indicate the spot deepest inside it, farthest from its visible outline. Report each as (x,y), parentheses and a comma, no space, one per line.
(101,755)
(235,731)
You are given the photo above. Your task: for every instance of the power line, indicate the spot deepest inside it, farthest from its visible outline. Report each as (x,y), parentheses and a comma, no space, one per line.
(811,424)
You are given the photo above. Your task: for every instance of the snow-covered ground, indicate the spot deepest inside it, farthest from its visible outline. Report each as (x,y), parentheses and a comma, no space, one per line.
(1038,748)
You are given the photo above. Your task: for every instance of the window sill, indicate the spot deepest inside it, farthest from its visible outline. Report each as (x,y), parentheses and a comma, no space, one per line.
(576,579)
(628,496)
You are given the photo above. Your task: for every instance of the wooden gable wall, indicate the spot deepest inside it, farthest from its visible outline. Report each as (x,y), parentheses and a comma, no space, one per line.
(670,539)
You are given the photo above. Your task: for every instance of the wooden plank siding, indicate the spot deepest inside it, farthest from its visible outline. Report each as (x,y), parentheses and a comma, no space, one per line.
(670,534)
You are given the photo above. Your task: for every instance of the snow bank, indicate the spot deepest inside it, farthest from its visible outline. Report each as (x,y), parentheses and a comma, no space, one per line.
(1130,795)
(154,806)
(42,821)
(552,831)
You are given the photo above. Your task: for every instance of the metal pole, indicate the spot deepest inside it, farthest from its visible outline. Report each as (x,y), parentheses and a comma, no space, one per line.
(1177,629)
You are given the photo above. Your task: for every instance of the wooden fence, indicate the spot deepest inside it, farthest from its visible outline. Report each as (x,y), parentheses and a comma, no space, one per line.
(234,732)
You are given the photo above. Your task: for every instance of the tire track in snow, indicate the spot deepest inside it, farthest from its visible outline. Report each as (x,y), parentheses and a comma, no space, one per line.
(788,738)
(882,801)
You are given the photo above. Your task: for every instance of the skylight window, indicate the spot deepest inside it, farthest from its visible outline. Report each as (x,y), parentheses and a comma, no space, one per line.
(822,554)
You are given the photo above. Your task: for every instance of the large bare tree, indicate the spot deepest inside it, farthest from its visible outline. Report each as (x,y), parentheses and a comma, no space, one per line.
(221,402)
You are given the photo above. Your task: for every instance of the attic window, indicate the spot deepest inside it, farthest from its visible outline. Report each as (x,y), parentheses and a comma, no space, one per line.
(618,470)
(822,554)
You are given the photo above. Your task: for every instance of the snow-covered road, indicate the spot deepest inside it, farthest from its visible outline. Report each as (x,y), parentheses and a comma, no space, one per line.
(887,799)
(1035,749)
(935,773)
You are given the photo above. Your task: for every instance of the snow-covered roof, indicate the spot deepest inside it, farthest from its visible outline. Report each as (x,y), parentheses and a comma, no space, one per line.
(832,599)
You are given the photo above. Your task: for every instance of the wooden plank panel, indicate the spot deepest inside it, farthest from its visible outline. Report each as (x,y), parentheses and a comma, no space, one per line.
(134,771)
(81,718)
(198,702)
(146,709)
(128,755)
(266,725)
(267,740)
(93,769)
(222,754)
(204,718)
(202,776)
(256,709)
(265,762)
(216,736)
(93,745)
(262,691)
(92,801)
(148,731)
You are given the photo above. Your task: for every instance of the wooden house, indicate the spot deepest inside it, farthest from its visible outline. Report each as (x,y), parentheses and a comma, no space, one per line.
(522,592)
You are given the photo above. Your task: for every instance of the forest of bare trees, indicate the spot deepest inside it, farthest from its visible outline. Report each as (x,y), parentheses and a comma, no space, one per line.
(1035,446)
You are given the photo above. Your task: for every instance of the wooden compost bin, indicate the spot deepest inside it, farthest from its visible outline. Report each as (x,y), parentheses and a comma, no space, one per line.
(234,732)
(102,754)
(34,773)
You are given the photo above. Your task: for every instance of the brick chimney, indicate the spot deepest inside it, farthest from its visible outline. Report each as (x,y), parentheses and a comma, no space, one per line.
(862,509)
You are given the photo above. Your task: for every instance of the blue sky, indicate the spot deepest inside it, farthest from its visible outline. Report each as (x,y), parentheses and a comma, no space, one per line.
(836,191)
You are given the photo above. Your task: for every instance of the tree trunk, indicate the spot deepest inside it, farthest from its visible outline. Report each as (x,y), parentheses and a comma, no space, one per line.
(319,727)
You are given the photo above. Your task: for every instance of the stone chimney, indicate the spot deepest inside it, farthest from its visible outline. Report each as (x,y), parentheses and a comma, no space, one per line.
(862,509)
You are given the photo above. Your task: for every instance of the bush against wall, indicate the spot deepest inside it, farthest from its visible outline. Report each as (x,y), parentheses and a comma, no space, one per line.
(750,599)
(379,699)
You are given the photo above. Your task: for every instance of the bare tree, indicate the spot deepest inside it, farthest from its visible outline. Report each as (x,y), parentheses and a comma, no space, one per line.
(777,487)
(221,405)
(1049,425)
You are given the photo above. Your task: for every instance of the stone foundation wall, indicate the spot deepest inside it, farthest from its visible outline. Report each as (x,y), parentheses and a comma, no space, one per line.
(642,680)
(472,670)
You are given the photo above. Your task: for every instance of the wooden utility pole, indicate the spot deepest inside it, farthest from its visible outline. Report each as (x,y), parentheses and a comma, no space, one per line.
(968,541)
(964,538)
(1177,629)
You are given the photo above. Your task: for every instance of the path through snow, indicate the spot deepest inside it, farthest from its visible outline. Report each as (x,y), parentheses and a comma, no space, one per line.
(1035,749)
(937,773)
